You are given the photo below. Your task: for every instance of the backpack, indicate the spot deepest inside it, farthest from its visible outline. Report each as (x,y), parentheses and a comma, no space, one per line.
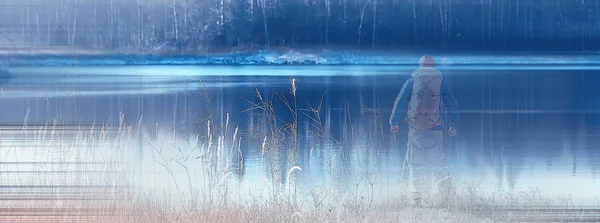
(424,104)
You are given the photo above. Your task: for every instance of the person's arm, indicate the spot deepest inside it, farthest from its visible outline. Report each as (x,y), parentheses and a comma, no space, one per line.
(451,104)
(401,102)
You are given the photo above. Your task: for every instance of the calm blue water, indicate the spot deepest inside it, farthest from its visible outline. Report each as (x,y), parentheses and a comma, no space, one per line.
(519,127)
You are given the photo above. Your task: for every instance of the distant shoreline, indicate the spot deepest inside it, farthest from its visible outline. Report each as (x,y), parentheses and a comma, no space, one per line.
(52,56)
(69,51)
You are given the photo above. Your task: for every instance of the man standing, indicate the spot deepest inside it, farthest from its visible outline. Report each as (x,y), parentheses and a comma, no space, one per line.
(420,100)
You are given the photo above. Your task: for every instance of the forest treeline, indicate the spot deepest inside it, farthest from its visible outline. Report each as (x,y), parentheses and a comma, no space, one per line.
(204,24)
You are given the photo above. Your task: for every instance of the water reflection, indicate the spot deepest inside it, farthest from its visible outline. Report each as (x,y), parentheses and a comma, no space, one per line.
(518,128)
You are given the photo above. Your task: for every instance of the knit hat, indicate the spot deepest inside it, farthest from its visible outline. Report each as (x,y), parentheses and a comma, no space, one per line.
(427,61)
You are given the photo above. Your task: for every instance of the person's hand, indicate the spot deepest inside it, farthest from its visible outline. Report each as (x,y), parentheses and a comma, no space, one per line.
(394,129)
(452,131)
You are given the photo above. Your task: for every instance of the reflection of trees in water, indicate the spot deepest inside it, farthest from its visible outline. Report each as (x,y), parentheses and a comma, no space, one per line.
(593,155)
(551,152)
(510,159)
(497,127)
(515,160)
(506,138)
(358,130)
(592,120)
(587,144)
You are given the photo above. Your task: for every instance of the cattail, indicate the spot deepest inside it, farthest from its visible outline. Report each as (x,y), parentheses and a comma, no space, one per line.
(333,162)
(240,154)
(25,121)
(235,132)
(121,120)
(210,136)
(294,88)
(264,145)
(139,123)
(227,121)
(173,136)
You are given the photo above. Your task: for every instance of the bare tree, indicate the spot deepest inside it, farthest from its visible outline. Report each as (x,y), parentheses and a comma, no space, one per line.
(327,17)
(265,25)
(362,16)
(374,34)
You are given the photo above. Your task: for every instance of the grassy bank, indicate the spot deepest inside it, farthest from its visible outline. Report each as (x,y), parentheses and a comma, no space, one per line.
(195,180)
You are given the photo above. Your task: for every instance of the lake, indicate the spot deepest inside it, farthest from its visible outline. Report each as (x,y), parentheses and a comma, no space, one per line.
(521,127)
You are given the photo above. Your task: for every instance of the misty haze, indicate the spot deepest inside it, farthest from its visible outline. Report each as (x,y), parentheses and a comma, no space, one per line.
(299,111)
